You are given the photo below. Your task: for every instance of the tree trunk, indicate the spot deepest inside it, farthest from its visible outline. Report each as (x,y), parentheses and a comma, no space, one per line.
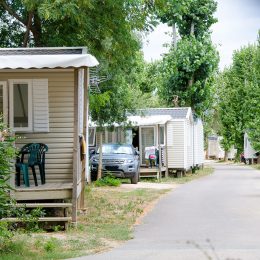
(191,81)
(192,29)
(37,31)
(226,156)
(99,174)
(28,29)
(174,36)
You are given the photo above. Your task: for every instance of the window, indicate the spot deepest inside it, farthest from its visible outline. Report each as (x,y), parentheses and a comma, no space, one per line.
(29,105)
(118,135)
(20,100)
(3,100)
(110,136)
(162,135)
(91,136)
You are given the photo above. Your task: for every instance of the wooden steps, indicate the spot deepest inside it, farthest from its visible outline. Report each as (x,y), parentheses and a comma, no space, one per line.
(50,205)
(43,205)
(151,172)
(44,219)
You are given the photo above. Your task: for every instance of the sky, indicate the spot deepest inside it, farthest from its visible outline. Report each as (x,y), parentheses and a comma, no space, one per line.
(238,24)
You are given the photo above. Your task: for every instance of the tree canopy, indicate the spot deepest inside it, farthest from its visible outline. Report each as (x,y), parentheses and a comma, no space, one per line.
(191,62)
(239,94)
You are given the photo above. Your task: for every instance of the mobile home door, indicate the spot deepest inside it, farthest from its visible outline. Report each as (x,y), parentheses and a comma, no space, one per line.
(147,138)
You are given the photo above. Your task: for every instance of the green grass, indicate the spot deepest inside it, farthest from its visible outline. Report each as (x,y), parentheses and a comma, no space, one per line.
(255,166)
(107,181)
(110,215)
(192,176)
(187,178)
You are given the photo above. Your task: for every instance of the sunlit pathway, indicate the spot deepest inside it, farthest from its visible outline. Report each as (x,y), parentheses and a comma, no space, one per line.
(220,211)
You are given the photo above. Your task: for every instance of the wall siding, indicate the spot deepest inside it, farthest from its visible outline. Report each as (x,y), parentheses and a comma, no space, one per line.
(249,151)
(61,122)
(198,143)
(175,144)
(189,144)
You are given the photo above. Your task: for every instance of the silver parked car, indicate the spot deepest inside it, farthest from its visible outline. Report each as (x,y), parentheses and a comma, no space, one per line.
(120,160)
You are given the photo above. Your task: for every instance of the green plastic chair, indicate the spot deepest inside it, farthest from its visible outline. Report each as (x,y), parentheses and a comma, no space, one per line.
(36,157)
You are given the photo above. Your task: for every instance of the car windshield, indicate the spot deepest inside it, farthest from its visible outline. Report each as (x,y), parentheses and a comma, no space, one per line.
(116,149)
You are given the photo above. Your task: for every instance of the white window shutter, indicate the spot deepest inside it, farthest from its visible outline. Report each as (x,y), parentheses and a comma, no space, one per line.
(40,105)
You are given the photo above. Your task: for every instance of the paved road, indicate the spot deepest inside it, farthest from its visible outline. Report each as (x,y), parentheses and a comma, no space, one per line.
(223,208)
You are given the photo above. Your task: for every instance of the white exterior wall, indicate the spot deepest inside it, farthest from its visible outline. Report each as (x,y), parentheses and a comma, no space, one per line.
(176,144)
(59,139)
(249,151)
(198,142)
(212,144)
(189,144)
(214,148)
(220,150)
(232,153)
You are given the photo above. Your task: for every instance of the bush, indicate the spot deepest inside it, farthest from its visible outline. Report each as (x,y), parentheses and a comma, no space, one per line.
(51,244)
(109,180)
(5,236)
(7,156)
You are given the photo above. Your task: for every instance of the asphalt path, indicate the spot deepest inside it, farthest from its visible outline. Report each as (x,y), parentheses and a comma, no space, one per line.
(215,217)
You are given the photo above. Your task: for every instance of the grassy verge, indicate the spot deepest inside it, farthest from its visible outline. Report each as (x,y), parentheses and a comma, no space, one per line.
(192,176)
(188,177)
(255,166)
(108,220)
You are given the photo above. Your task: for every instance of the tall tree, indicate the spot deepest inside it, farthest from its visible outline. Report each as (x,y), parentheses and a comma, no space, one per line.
(108,28)
(193,60)
(239,94)
(253,104)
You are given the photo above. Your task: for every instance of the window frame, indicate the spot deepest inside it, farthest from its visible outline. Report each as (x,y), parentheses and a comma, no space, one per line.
(94,136)
(162,131)
(30,104)
(5,101)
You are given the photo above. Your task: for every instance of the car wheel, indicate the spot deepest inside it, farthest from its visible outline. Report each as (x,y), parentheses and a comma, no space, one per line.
(93,176)
(134,179)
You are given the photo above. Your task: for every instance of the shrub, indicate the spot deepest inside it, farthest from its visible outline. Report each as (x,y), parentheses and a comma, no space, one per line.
(5,236)
(51,244)
(7,156)
(109,180)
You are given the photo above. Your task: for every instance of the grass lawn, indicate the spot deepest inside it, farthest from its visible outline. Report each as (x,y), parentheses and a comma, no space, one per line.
(108,220)
(188,177)
(255,166)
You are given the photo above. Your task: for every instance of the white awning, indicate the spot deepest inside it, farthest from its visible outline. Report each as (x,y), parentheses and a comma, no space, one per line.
(47,61)
(149,120)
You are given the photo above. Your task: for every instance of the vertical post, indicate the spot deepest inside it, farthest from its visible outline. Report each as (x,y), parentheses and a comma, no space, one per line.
(85,162)
(86,122)
(160,151)
(166,151)
(75,148)
(174,36)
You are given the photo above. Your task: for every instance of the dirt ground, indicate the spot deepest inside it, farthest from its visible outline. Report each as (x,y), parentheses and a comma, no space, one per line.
(149,185)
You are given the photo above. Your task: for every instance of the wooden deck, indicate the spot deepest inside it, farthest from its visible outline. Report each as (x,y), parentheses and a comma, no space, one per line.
(151,172)
(43,192)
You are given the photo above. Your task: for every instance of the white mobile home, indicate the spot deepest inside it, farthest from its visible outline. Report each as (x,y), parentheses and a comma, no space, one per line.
(232,153)
(215,151)
(44,99)
(173,129)
(249,151)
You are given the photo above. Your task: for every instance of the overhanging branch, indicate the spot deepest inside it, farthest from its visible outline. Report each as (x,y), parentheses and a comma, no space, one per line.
(12,12)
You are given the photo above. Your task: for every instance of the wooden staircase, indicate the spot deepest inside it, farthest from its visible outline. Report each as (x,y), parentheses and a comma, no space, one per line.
(62,205)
